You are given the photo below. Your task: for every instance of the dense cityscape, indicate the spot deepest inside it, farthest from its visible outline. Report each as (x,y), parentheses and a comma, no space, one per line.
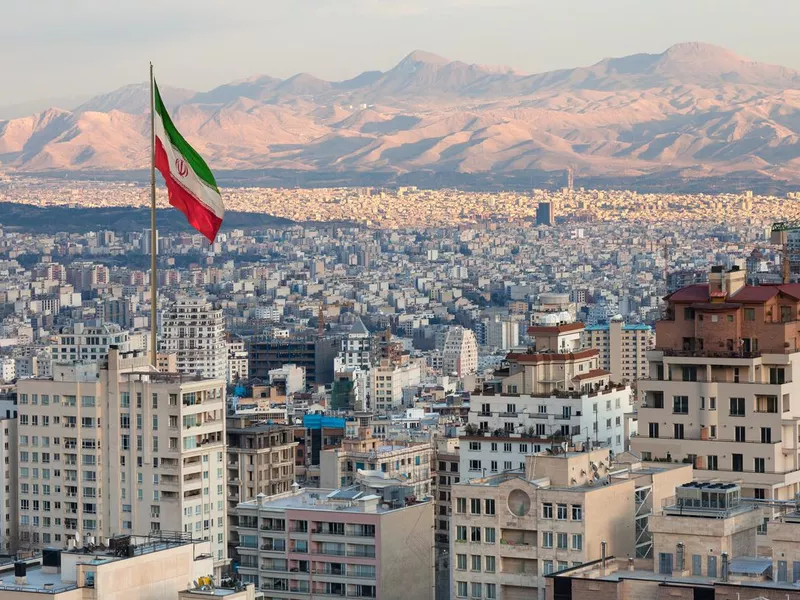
(403,393)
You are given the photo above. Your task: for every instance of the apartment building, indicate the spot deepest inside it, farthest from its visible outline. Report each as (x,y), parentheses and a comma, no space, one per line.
(704,547)
(82,342)
(356,349)
(408,461)
(337,543)
(460,352)
(389,378)
(446,474)
(509,531)
(238,363)
(155,567)
(9,515)
(194,330)
(557,391)
(622,348)
(117,448)
(722,388)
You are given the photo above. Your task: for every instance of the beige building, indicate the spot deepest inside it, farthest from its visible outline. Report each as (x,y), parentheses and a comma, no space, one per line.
(320,543)
(704,548)
(622,348)
(408,461)
(722,387)
(511,530)
(195,331)
(460,352)
(117,449)
(131,568)
(387,380)
(260,460)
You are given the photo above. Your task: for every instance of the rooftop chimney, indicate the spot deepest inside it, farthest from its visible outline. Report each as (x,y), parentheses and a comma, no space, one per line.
(603,546)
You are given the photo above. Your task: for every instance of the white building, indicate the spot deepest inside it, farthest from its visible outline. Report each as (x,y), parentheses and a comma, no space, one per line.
(118,448)
(290,376)
(238,362)
(460,354)
(89,342)
(502,334)
(9,541)
(356,349)
(388,380)
(558,393)
(8,369)
(194,331)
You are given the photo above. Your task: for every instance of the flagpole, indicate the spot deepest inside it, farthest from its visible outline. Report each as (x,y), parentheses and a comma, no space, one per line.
(153,235)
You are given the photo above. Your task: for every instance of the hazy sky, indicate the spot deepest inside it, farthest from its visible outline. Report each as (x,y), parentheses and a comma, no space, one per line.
(58,48)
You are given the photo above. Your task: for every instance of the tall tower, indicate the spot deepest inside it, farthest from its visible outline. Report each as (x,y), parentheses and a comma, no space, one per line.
(570,179)
(194,331)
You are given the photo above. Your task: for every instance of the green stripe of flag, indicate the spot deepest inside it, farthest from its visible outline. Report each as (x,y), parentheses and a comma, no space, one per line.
(190,155)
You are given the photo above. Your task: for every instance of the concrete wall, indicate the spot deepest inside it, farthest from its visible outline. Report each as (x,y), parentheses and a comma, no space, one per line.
(406,554)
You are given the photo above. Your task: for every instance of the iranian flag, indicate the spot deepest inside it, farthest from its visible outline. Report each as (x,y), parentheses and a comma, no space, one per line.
(191,186)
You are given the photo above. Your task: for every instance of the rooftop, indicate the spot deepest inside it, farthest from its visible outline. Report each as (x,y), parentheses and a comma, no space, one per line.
(349,500)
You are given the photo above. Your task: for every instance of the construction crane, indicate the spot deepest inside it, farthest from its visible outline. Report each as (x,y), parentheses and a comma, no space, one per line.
(780,235)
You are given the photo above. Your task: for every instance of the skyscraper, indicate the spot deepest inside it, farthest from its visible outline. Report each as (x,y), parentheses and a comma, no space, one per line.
(544,214)
(193,329)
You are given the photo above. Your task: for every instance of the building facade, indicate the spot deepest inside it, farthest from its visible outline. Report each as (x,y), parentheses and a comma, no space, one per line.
(194,330)
(622,348)
(121,449)
(460,352)
(317,543)
(722,388)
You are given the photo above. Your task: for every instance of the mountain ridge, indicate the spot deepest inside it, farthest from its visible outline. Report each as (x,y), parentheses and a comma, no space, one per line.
(695,108)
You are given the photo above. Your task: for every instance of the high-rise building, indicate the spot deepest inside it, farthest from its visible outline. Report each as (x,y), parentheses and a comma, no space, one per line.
(319,543)
(237,361)
(501,333)
(460,354)
(722,391)
(544,214)
(194,330)
(622,348)
(88,342)
(260,460)
(120,449)
(9,505)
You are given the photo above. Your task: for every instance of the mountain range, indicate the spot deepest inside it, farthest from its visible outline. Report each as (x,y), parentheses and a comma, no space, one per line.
(696,110)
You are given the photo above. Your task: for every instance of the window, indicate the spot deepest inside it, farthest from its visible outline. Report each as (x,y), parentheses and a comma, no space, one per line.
(577,512)
(489,564)
(475,534)
(475,590)
(547,539)
(493,466)
(489,533)
(493,447)
(547,510)
(766,435)
(507,447)
(489,507)
(561,541)
(561,512)
(712,462)
(547,567)
(737,462)
(737,407)
(461,589)
(461,562)
(739,433)
(749,314)
(680,405)
(759,465)
(577,541)
(475,446)
(474,465)
(767,404)
(475,506)
(461,505)
(777,375)
(491,591)
(678,430)
(476,563)
(652,430)
(461,533)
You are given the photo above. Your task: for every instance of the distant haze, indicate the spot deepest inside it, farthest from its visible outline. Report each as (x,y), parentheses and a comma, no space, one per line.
(68,49)
(694,110)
